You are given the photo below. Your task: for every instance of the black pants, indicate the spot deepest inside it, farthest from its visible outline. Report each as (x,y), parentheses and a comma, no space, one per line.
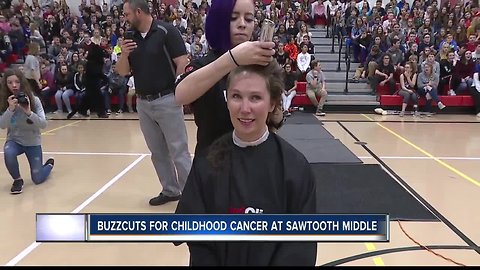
(93,100)
(376,81)
(476,99)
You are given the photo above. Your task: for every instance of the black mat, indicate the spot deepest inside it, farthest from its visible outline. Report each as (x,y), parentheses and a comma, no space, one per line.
(324,151)
(304,132)
(365,189)
(302,118)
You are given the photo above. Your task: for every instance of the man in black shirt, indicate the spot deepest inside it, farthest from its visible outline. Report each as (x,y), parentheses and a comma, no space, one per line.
(384,75)
(155,54)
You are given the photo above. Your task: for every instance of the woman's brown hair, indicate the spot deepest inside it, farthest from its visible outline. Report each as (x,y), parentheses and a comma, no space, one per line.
(24,87)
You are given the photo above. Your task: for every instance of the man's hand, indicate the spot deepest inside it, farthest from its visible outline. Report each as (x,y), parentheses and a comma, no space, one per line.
(128,46)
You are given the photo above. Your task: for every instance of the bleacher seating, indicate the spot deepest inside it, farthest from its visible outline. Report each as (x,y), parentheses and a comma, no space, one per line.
(301,98)
(113,100)
(386,99)
(320,21)
(449,101)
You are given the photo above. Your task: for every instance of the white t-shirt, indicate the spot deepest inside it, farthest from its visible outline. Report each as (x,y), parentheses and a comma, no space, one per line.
(131,83)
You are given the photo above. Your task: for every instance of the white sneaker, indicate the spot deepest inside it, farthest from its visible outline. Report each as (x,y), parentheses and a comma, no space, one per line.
(440,105)
(478,114)
(451,92)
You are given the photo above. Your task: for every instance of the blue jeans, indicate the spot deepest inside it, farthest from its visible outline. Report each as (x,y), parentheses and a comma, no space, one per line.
(79,97)
(106,97)
(433,94)
(38,171)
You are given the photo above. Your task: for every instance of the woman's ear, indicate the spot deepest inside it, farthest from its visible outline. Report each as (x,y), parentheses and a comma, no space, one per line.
(272,107)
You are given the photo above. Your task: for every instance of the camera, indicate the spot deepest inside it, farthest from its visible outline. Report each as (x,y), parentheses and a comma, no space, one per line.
(22,98)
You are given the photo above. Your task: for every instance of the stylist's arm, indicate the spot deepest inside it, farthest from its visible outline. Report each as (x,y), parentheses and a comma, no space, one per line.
(196,84)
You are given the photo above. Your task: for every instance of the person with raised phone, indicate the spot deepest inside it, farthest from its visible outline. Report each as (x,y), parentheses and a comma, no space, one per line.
(23,117)
(155,54)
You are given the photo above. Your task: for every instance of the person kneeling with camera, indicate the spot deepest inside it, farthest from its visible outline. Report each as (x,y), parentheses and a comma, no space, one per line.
(23,116)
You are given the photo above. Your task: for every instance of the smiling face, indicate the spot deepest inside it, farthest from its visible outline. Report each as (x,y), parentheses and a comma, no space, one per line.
(249,103)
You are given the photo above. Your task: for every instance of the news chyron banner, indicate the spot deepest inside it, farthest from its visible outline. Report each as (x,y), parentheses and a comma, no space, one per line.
(180,228)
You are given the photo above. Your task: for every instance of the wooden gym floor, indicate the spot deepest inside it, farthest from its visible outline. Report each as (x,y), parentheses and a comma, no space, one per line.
(103,166)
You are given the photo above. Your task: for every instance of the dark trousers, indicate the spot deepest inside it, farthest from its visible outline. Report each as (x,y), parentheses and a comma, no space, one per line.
(376,81)
(476,98)
(93,100)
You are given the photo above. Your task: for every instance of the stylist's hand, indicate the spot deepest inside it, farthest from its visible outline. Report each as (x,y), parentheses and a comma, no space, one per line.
(254,53)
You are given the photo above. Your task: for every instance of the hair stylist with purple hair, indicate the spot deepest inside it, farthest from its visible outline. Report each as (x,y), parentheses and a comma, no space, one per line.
(228,29)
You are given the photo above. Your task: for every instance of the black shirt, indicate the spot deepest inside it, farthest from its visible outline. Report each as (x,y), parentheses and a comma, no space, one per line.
(446,68)
(210,110)
(152,61)
(290,79)
(386,69)
(281,58)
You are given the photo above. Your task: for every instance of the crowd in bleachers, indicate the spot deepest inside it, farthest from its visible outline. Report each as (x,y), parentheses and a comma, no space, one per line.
(424,33)
(439,41)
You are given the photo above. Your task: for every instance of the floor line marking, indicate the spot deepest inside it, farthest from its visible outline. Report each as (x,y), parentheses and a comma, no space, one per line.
(444,164)
(34,245)
(424,158)
(60,127)
(378,261)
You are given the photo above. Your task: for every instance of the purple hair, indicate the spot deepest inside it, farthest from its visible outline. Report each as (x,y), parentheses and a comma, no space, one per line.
(217,25)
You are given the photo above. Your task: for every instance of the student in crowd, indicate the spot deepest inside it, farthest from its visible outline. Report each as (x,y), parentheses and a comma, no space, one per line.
(316,87)
(23,117)
(475,91)
(463,73)
(284,185)
(408,80)
(427,84)
(446,72)
(290,89)
(64,82)
(383,75)
(79,85)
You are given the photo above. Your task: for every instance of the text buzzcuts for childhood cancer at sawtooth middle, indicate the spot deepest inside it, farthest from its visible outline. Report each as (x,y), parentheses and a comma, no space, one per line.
(244,225)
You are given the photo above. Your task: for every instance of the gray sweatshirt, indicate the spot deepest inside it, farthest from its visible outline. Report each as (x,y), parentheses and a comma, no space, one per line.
(423,80)
(19,130)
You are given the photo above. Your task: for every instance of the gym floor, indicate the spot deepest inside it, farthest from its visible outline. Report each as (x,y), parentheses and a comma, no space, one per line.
(103,166)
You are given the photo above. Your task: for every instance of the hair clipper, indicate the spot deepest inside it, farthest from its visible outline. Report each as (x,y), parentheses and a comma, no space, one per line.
(268,28)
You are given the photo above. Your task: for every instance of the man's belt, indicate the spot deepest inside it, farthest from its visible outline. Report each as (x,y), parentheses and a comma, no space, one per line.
(152,97)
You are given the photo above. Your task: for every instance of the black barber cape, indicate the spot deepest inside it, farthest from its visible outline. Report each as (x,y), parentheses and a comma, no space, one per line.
(270,178)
